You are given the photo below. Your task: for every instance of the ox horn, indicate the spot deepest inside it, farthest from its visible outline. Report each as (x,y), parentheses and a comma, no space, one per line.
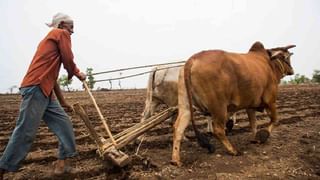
(289,47)
(275,54)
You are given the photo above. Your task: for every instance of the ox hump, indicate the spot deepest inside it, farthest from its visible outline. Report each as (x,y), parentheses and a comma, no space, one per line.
(257,47)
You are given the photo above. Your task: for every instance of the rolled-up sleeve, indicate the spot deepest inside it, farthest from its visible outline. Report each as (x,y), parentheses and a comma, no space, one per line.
(67,55)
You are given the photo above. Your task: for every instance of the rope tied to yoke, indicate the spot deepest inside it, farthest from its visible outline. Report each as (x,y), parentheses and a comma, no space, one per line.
(137,74)
(137,67)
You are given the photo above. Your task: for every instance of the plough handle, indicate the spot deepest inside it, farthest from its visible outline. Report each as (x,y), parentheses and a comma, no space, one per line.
(100,114)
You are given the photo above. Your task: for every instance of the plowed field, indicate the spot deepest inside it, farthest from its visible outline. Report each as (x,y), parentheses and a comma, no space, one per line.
(292,152)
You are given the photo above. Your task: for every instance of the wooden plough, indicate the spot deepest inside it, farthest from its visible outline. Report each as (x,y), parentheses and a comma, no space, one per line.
(109,149)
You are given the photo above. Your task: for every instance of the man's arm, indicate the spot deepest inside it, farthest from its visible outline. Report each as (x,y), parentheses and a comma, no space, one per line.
(62,101)
(67,57)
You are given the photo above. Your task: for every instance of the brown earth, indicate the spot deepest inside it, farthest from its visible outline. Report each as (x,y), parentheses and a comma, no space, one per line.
(292,152)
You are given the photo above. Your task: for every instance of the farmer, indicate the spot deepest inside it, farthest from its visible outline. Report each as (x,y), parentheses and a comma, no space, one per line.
(39,90)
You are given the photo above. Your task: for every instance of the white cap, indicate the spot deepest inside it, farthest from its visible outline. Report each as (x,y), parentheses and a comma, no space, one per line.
(56,20)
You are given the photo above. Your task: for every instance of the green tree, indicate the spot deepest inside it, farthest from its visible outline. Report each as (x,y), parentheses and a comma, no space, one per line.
(64,82)
(90,78)
(316,76)
(298,79)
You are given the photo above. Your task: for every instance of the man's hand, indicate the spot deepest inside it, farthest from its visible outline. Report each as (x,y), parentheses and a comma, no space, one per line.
(82,76)
(67,107)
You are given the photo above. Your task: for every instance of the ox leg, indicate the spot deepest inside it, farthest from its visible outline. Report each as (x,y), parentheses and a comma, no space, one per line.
(253,123)
(178,131)
(149,110)
(264,134)
(273,117)
(147,113)
(219,132)
(231,122)
(234,118)
(209,125)
(172,119)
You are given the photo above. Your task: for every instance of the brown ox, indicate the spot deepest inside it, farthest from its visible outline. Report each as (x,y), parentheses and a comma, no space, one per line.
(220,82)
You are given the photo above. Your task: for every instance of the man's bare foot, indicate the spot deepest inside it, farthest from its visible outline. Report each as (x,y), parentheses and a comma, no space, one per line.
(62,167)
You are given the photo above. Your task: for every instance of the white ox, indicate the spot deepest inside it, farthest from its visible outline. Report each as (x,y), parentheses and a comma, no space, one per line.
(162,88)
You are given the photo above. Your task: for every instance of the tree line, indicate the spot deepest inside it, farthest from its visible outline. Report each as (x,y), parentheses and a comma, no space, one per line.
(65,83)
(302,79)
(297,79)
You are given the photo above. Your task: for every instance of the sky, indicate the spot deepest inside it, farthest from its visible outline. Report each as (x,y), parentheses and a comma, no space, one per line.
(113,34)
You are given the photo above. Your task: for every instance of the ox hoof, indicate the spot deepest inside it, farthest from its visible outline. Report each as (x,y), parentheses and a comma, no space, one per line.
(211,149)
(239,153)
(254,141)
(176,163)
(262,136)
(236,153)
(229,126)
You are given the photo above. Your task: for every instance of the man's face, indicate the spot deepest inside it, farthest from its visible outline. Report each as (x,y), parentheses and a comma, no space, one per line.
(67,26)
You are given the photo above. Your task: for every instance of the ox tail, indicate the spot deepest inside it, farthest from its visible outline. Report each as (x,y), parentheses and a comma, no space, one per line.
(150,89)
(203,139)
(151,82)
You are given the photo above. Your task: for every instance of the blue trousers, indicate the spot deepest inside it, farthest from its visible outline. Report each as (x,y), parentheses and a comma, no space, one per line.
(34,107)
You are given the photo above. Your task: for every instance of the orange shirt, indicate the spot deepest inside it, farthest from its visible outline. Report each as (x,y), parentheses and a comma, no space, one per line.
(53,50)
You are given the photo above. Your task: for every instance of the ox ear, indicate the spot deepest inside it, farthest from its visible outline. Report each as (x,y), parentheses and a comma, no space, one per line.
(290,54)
(257,46)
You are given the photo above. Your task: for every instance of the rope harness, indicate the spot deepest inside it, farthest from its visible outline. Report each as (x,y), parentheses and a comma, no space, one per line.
(138,74)
(137,67)
(281,67)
